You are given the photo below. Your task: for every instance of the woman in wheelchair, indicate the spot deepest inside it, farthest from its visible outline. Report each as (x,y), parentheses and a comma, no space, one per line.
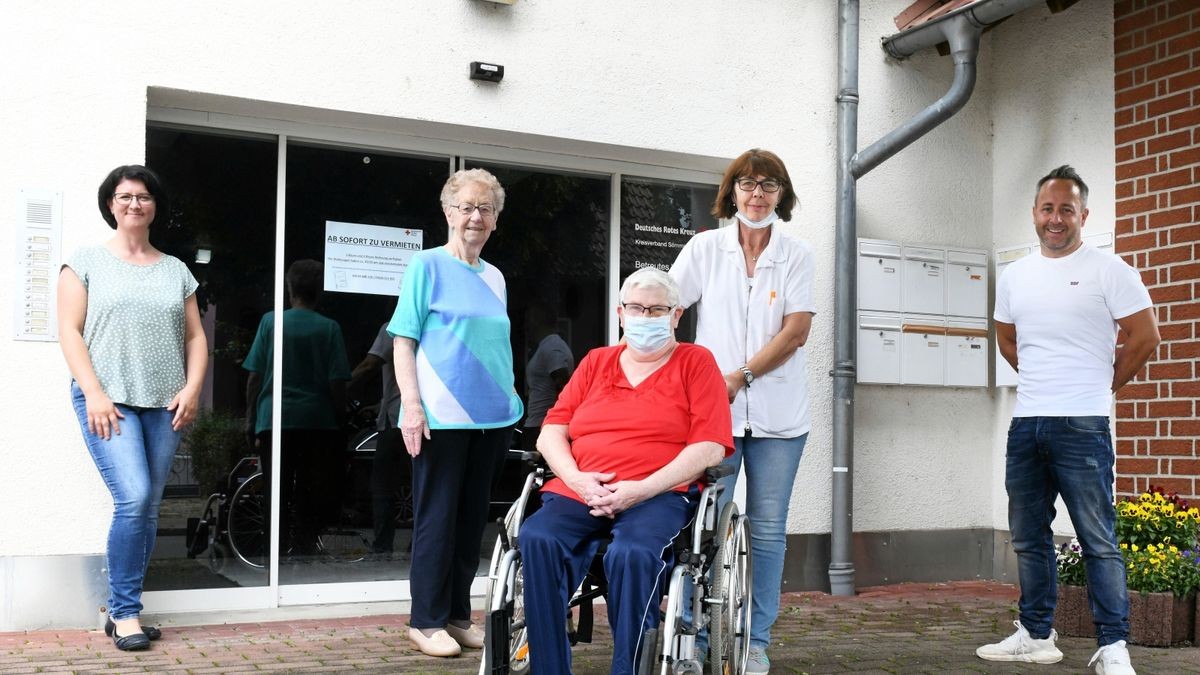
(628,439)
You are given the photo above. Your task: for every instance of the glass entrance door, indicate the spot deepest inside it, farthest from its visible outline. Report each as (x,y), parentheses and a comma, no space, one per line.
(222,225)
(340,220)
(345,507)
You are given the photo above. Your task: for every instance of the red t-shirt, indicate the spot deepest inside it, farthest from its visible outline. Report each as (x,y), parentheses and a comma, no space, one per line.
(635,431)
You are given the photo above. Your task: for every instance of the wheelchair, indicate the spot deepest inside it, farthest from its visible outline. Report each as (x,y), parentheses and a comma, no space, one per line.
(712,561)
(235,523)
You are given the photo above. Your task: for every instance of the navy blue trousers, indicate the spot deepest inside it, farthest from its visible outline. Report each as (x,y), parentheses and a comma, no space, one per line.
(452,488)
(558,543)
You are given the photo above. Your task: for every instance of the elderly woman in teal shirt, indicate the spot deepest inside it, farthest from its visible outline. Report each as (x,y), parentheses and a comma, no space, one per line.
(454,370)
(129,328)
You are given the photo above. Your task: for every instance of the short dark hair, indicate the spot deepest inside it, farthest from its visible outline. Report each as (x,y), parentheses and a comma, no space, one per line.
(305,279)
(755,162)
(1064,172)
(162,203)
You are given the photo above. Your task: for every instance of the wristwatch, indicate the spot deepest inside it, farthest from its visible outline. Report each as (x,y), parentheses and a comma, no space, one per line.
(748,375)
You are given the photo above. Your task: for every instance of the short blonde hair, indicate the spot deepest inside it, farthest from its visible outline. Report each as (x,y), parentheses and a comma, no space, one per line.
(464,177)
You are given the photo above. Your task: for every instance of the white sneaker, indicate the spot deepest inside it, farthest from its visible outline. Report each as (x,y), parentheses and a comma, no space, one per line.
(757,662)
(1112,660)
(1021,647)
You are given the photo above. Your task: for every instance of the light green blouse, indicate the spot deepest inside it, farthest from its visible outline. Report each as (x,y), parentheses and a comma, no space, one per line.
(135,325)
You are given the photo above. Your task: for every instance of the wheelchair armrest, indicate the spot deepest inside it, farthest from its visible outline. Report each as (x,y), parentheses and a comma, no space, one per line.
(714,473)
(531,456)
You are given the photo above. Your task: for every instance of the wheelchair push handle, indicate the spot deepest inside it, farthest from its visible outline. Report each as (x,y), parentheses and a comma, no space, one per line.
(715,473)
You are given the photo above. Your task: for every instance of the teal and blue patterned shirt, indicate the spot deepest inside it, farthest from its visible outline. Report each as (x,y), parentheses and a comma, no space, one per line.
(459,317)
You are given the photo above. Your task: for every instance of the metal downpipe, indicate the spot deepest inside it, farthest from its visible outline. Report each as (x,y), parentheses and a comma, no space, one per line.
(963,35)
(841,559)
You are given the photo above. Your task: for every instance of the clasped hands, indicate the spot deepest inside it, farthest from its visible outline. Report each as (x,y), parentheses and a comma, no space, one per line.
(607,499)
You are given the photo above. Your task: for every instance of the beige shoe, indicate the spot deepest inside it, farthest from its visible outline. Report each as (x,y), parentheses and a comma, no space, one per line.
(471,638)
(439,644)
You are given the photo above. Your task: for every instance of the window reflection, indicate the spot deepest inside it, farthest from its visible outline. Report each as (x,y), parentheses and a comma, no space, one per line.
(212,519)
(551,243)
(657,219)
(329,530)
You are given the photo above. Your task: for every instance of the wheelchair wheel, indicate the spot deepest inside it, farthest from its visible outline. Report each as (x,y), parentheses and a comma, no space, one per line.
(247,522)
(403,501)
(505,603)
(729,629)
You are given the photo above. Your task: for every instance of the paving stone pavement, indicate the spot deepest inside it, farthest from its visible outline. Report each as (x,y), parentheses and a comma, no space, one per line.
(906,628)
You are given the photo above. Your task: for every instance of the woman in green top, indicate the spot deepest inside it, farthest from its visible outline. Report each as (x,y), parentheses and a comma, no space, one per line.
(129,327)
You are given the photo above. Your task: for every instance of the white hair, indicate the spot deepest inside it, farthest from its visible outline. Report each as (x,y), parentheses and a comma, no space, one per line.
(651,278)
(462,178)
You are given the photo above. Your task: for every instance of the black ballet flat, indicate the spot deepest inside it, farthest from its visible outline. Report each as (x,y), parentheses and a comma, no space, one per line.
(131,643)
(151,632)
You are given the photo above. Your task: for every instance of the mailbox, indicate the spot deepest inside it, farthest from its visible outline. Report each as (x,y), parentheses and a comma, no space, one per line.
(966,283)
(966,352)
(878,348)
(922,349)
(878,275)
(923,286)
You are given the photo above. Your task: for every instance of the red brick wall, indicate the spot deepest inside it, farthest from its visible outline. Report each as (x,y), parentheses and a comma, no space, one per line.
(1157,77)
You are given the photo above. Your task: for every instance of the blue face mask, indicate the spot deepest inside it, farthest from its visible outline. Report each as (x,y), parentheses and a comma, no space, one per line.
(757,224)
(646,334)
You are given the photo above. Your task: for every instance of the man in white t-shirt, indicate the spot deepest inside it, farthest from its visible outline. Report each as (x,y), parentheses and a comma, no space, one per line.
(1057,317)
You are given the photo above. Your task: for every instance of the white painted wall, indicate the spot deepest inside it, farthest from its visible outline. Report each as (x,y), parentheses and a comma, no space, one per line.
(922,454)
(700,77)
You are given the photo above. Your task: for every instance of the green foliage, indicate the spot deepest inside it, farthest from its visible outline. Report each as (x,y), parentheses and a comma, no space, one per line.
(1161,568)
(215,441)
(1157,533)
(1157,518)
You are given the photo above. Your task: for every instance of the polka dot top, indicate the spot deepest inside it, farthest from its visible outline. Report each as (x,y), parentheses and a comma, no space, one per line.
(134,328)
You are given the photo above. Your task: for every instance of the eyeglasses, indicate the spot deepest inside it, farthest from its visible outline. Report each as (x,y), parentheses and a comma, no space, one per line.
(125,199)
(653,311)
(485,210)
(749,184)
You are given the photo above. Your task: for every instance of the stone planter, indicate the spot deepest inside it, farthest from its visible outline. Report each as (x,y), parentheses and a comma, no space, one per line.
(1073,615)
(1161,619)
(1155,619)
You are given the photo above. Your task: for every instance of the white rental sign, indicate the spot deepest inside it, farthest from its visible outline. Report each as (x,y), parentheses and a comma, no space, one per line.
(367,258)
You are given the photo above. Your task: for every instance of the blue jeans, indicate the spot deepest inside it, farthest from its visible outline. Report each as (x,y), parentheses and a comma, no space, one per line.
(135,465)
(1071,456)
(771,465)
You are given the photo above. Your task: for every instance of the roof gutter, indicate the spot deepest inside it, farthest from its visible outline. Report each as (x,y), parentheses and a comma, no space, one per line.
(981,15)
(961,28)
